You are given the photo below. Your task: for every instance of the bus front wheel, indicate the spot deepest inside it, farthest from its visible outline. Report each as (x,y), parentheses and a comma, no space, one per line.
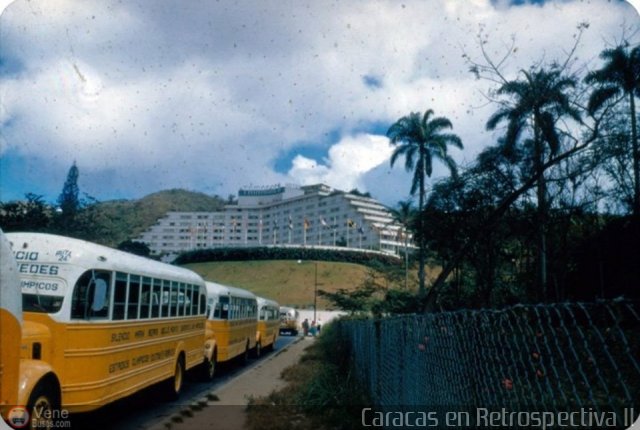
(208,368)
(245,356)
(174,385)
(43,401)
(258,351)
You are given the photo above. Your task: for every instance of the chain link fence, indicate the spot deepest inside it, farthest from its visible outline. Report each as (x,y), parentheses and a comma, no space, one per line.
(560,357)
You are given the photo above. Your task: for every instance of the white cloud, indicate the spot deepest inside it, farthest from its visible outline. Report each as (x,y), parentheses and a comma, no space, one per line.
(347,162)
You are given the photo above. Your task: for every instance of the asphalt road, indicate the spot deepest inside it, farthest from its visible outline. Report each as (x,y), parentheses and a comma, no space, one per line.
(147,407)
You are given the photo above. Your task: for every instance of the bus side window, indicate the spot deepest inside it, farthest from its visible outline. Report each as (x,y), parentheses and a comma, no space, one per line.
(100,299)
(91,296)
(173,297)
(145,297)
(187,298)
(79,300)
(203,304)
(165,297)
(133,301)
(193,297)
(120,296)
(224,308)
(182,298)
(155,298)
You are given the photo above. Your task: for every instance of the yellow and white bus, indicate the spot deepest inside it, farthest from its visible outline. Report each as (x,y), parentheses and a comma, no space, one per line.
(268,324)
(100,324)
(288,321)
(10,329)
(231,320)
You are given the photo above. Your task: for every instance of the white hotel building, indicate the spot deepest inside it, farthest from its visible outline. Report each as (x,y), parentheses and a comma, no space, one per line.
(313,216)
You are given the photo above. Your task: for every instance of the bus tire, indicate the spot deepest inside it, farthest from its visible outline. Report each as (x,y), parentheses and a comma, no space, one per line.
(245,356)
(272,345)
(257,352)
(208,368)
(174,384)
(44,397)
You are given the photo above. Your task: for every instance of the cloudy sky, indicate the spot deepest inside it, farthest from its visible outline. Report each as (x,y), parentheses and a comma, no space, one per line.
(215,95)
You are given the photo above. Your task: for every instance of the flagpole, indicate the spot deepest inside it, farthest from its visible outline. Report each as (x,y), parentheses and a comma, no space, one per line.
(335,228)
(275,230)
(348,227)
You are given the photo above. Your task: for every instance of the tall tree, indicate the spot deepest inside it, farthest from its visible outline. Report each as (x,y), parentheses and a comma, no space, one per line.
(535,103)
(420,139)
(68,201)
(619,78)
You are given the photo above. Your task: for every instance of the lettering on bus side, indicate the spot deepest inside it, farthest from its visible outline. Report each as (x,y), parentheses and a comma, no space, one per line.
(169,329)
(118,366)
(26,264)
(161,354)
(26,255)
(119,337)
(38,269)
(142,359)
(41,286)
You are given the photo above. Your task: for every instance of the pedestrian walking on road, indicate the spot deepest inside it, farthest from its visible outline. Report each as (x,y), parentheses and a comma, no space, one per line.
(305,327)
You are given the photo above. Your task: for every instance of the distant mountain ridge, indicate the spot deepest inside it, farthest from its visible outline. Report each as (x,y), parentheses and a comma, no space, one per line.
(120,220)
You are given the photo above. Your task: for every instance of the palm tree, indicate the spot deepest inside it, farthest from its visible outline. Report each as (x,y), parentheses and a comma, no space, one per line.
(538,101)
(420,139)
(618,78)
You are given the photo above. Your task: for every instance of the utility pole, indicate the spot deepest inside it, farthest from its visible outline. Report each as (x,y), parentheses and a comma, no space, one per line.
(315,293)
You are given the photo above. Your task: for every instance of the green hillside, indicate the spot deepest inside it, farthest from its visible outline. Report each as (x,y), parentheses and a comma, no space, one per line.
(287,281)
(119,220)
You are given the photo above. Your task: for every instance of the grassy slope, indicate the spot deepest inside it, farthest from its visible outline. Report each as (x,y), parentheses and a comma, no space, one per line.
(120,220)
(286,281)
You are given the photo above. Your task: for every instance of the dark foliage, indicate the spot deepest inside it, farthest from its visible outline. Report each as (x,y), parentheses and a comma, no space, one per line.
(134,247)
(369,259)
(607,262)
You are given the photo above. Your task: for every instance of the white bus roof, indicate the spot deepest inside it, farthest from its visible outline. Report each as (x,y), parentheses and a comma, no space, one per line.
(262,301)
(215,289)
(84,255)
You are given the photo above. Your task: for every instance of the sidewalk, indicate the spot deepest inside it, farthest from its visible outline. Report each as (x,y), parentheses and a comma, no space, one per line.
(227,411)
